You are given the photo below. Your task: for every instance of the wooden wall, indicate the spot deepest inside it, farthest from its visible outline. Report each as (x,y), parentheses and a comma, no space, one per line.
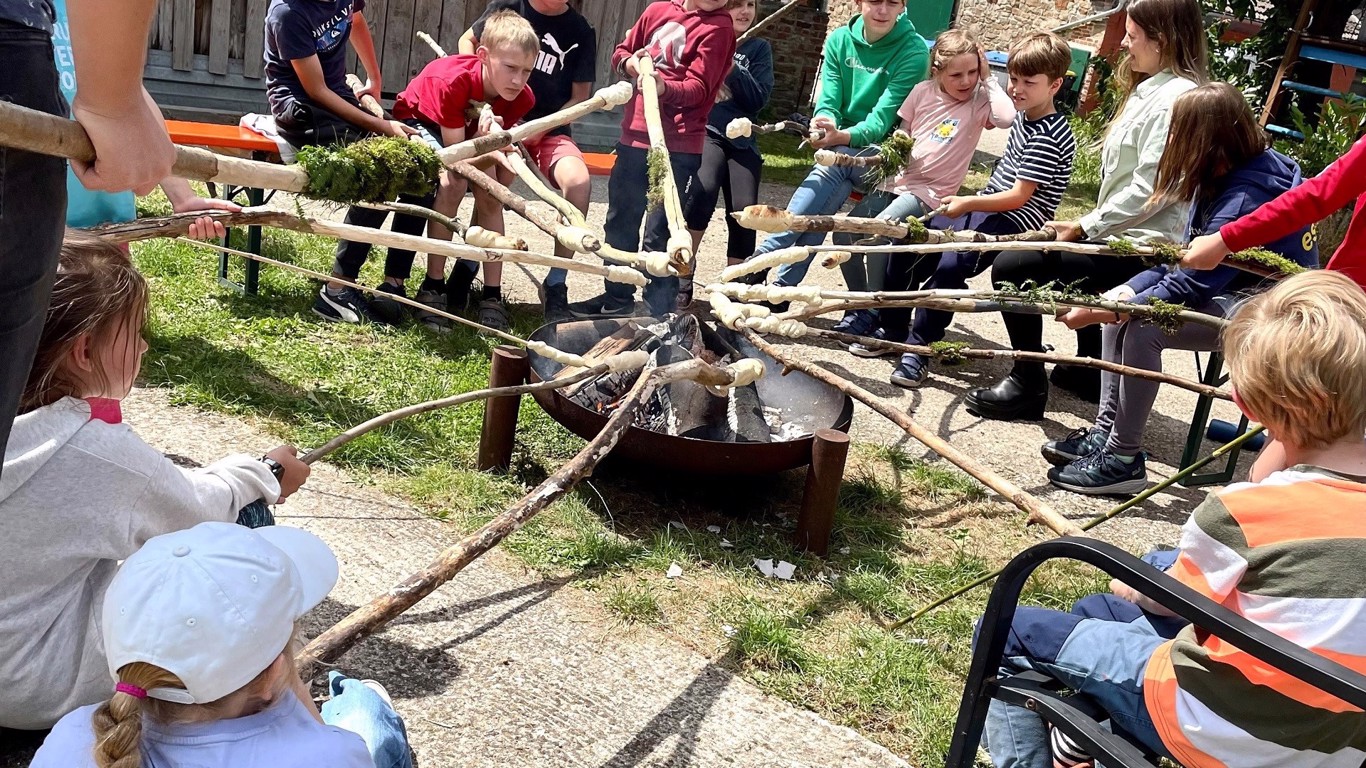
(204,58)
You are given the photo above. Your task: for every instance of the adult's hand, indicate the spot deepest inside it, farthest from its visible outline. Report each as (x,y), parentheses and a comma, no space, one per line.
(132,149)
(1205,252)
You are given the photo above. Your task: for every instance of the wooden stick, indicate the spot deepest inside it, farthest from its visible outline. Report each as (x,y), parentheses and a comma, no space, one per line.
(367,101)
(605,98)
(575,238)
(754,30)
(766,218)
(179,224)
(34,131)
(1219,452)
(742,127)
(475,236)
(679,246)
(404,300)
(1032,357)
(1038,511)
(829,159)
(407,411)
(370,618)
(648,262)
(437,49)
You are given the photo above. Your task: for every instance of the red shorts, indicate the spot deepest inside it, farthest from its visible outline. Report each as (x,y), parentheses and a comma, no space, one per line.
(551,149)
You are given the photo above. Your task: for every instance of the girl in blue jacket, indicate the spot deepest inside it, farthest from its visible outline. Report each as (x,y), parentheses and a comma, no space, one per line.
(1217,157)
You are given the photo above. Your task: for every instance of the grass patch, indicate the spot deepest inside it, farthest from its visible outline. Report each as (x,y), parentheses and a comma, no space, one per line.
(906,530)
(634,604)
(784,163)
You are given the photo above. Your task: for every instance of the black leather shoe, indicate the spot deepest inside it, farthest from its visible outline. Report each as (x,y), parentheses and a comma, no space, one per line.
(1013,398)
(1079,380)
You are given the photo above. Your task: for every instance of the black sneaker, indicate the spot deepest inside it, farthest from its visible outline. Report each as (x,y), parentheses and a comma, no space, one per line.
(385,308)
(346,306)
(1080,442)
(603,306)
(556,303)
(859,349)
(1101,474)
(910,372)
(858,322)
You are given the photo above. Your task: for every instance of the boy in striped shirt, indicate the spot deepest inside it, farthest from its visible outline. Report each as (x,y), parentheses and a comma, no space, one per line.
(1284,552)
(1022,194)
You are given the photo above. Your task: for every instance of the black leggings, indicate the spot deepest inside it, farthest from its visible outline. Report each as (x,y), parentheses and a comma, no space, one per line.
(1090,274)
(732,172)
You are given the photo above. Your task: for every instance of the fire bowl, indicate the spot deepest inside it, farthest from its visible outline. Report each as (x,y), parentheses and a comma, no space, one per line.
(801,399)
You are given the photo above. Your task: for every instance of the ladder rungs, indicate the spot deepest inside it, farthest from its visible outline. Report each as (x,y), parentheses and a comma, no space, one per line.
(1348,58)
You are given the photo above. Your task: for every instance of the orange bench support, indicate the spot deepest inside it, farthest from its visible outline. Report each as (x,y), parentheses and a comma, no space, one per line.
(219,137)
(599,163)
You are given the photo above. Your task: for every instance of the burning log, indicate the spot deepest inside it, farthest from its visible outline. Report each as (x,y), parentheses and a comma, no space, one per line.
(1038,511)
(370,618)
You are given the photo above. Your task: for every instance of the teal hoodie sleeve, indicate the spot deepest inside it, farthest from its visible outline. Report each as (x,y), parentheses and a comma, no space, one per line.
(907,69)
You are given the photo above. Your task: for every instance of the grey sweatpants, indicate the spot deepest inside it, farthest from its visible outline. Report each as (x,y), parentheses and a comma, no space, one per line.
(1126,402)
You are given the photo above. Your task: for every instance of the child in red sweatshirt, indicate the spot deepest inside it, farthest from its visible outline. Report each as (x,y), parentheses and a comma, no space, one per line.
(1312,201)
(692,43)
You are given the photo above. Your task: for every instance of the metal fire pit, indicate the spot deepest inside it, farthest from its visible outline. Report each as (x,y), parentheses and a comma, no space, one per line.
(802,400)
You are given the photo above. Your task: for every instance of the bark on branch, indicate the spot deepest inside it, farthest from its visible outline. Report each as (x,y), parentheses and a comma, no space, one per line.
(1038,511)
(576,238)
(679,246)
(370,618)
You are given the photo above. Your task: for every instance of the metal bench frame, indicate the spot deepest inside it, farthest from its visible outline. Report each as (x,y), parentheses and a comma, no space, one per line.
(1070,714)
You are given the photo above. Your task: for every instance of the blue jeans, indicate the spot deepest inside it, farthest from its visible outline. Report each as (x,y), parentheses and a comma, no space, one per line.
(1103,660)
(821,194)
(626,193)
(866,271)
(952,271)
(360,710)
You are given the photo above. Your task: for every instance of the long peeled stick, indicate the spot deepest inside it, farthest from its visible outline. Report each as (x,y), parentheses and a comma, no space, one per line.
(179,224)
(34,131)
(370,618)
(1219,452)
(679,246)
(605,98)
(1038,511)
(769,19)
(657,264)
(576,238)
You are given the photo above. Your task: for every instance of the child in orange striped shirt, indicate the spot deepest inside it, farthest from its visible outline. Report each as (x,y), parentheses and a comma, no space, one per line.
(1284,552)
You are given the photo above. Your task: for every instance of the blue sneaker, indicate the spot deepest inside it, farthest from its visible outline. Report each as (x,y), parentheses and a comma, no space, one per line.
(910,372)
(859,322)
(345,306)
(859,349)
(1080,442)
(1101,474)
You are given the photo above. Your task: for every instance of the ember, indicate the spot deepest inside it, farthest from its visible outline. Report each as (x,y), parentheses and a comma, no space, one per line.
(684,409)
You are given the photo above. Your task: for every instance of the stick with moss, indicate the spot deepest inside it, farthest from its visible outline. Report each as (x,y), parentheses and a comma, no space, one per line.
(679,245)
(956,353)
(1044,300)
(890,158)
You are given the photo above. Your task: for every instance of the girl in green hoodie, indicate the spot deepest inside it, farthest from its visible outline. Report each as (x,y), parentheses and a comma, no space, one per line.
(869,67)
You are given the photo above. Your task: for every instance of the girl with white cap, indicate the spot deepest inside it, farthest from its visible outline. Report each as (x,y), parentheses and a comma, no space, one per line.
(198,627)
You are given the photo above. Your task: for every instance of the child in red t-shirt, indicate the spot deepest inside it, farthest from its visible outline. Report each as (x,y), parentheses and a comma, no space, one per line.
(446,99)
(692,43)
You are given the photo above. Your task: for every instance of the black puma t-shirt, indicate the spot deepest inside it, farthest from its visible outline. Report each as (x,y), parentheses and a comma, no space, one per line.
(569,54)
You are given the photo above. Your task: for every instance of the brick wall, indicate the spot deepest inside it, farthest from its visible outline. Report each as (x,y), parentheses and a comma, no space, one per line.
(998,23)
(797,39)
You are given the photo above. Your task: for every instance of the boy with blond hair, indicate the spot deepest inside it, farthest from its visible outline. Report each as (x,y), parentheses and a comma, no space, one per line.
(445,101)
(1284,552)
